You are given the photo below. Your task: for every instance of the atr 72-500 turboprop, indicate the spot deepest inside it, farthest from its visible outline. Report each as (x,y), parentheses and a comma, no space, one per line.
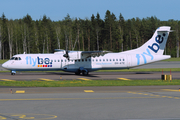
(87,61)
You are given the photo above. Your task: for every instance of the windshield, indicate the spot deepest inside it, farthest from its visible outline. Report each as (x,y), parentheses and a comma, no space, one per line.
(15,58)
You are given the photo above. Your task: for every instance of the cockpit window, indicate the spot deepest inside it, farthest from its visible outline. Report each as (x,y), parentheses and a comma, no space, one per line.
(12,58)
(15,58)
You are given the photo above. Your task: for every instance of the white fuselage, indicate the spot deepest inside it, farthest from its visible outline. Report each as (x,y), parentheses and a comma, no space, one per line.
(39,62)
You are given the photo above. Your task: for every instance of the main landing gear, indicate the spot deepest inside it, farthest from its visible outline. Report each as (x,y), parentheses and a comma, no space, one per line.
(83,71)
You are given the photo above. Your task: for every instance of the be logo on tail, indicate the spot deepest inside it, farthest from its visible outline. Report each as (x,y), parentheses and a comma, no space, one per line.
(155,46)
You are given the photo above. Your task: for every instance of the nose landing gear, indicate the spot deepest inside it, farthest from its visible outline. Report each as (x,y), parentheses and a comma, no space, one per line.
(13,72)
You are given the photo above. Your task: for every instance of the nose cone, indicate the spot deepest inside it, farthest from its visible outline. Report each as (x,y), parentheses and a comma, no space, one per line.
(4,65)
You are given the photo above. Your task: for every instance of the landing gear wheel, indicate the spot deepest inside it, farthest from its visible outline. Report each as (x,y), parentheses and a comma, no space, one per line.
(77,73)
(12,73)
(85,73)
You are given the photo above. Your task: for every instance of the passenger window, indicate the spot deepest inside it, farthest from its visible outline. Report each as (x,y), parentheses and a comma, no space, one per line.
(65,60)
(61,60)
(119,59)
(103,59)
(123,59)
(86,60)
(54,60)
(106,59)
(93,60)
(116,59)
(96,60)
(16,58)
(109,59)
(82,60)
(58,60)
(89,60)
(113,59)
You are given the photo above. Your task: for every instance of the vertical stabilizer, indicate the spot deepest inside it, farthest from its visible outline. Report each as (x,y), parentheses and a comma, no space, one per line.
(158,41)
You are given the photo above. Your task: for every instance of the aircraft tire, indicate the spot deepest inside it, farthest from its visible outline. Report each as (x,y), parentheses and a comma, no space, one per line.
(77,73)
(85,73)
(12,73)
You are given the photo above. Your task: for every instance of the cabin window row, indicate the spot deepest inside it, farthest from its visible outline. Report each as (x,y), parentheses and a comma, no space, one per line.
(82,60)
(86,60)
(94,60)
(108,60)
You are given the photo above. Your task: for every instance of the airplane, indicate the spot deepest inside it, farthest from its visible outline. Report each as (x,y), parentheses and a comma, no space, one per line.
(88,61)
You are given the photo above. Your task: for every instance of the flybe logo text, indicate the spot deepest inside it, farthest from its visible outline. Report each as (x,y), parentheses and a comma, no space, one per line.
(40,61)
(154,47)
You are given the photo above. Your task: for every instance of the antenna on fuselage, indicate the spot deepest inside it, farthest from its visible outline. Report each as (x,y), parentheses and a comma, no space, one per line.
(24,53)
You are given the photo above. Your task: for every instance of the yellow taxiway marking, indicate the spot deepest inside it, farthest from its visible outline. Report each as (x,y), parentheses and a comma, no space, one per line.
(23,116)
(7,80)
(84,79)
(88,91)
(31,116)
(46,79)
(2,118)
(124,79)
(171,90)
(20,91)
(155,96)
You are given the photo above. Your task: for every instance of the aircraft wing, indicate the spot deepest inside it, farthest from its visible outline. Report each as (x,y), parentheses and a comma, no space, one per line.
(94,53)
(74,55)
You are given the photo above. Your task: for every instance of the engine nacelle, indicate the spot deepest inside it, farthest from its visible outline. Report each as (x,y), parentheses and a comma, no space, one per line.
(75,55)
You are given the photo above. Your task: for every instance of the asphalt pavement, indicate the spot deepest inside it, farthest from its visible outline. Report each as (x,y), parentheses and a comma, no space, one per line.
(102,103)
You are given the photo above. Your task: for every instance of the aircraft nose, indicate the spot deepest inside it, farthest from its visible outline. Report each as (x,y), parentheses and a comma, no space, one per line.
(4,65)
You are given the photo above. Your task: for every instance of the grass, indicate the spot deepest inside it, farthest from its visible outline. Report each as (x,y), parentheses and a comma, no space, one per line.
(80,83)
(142,70)
(3,61)
(172,59)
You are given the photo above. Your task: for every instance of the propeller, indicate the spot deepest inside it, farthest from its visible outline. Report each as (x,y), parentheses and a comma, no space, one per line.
(66,55)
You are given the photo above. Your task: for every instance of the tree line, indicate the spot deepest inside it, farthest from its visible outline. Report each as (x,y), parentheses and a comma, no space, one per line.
(111,33)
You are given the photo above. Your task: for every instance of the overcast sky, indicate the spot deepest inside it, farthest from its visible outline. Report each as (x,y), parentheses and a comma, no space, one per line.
(58,9)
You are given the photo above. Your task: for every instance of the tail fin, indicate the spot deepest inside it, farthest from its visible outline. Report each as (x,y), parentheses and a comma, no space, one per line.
(158,41)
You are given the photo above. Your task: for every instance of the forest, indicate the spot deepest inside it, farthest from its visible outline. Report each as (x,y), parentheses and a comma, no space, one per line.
(111,33)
